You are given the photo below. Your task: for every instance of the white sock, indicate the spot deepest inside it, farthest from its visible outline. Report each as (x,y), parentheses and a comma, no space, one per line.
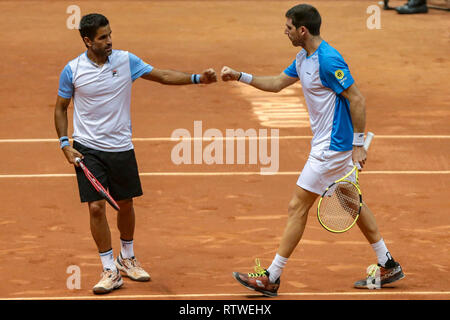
(108,260)
(126,248)
(381,251)
(276,267)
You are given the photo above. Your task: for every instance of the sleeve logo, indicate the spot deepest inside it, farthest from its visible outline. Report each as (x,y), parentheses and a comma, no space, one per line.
(339,74)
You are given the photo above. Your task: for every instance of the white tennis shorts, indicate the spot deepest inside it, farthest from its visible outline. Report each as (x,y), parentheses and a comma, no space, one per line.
(323,168)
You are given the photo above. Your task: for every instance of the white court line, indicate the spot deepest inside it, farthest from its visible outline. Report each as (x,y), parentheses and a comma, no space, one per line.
(229,138)
(217,295)
(177,174)
(44,175)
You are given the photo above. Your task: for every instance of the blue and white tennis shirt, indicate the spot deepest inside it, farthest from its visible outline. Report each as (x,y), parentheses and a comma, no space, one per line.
(101,98)
(324,75)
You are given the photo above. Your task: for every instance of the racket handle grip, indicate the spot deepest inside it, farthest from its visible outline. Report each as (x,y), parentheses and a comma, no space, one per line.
(77,160)
(368,140)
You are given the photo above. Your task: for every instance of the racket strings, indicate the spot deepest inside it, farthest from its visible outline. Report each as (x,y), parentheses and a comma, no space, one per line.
(340,206)
(348,197)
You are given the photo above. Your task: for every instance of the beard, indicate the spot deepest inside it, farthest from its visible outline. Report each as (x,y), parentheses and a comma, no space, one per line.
(300,43)
(297,43)
(102,51)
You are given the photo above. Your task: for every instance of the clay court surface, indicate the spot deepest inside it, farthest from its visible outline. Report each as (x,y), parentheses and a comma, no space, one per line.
(198,223)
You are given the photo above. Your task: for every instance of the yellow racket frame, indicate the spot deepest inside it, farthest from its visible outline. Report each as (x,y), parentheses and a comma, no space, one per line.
(344,178)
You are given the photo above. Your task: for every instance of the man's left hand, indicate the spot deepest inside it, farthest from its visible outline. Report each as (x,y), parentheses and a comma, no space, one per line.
(359,155)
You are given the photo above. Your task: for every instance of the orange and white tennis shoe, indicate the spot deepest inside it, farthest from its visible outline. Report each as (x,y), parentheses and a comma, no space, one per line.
(131,268)
(110,280)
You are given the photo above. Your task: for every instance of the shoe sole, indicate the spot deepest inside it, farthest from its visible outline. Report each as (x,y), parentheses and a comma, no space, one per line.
(125,274)
(422,9)
(265,293)
(101,290)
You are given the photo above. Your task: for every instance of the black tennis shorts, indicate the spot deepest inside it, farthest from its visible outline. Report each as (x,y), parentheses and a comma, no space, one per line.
(116,171)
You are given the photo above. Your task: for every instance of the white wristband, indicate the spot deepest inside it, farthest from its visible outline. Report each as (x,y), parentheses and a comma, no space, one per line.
(245,77)
(358,139)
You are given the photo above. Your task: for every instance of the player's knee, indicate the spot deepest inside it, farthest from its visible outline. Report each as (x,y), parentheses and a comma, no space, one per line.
(295,209)
(125,205)
(97,209)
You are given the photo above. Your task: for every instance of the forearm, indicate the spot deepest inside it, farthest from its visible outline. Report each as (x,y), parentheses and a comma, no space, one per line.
(61,122)
(358,114)
(170,77)
(266,83)
(61,129)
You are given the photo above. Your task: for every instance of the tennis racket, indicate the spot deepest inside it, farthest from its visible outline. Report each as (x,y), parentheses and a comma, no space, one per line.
(97,185)
(340,204)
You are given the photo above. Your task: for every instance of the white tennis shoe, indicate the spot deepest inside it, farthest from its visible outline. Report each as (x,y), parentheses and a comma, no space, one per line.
(110,280)
(131,268)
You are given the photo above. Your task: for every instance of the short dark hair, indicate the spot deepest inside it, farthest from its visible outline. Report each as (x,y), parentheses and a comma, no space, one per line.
(90,23)
(307,16)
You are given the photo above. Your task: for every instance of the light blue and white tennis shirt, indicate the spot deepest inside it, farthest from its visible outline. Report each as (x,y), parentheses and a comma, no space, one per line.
(101,98)
(324,75)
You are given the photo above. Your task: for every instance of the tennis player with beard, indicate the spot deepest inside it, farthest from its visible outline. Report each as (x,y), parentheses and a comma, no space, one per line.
(337,115)
(99,82)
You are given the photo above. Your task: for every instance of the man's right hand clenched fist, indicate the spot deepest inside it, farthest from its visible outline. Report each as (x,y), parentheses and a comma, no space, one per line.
(229,74)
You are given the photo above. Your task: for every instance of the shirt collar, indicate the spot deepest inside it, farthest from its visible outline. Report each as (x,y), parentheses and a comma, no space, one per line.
(108,60)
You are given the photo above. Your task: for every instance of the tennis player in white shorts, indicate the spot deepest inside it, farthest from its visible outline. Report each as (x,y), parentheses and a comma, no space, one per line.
(337,114)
